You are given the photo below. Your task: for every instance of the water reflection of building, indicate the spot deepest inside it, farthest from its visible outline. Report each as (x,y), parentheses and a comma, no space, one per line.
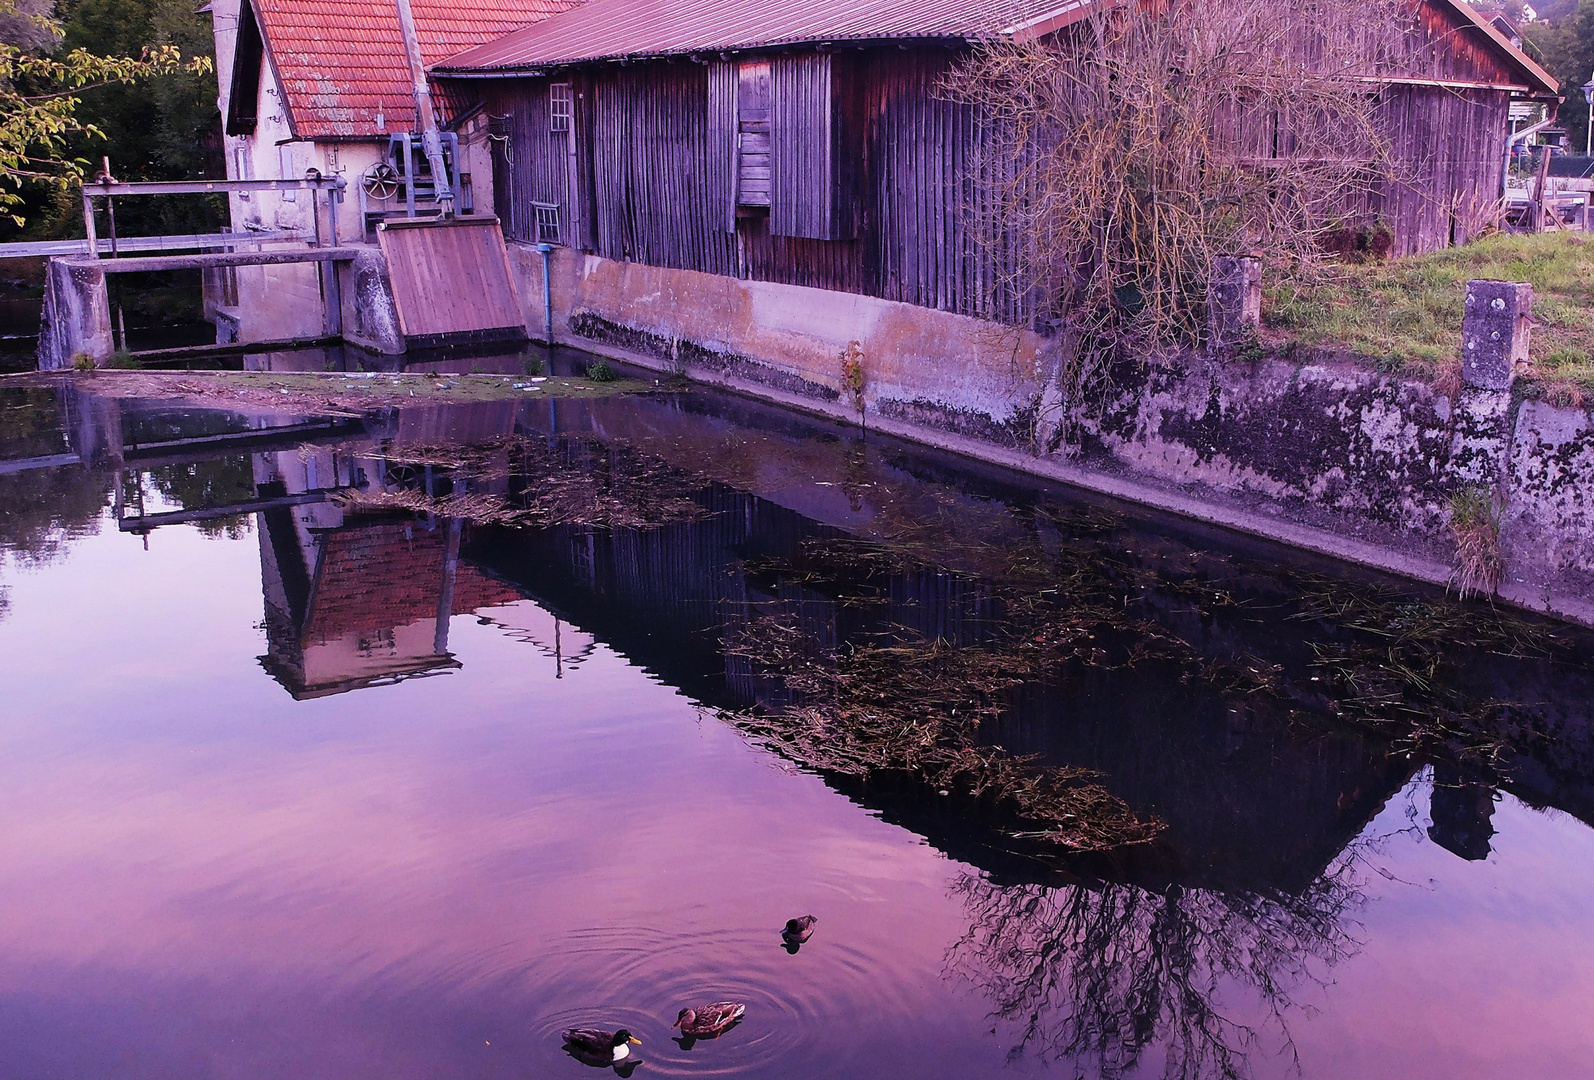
(374,608)
(355,600)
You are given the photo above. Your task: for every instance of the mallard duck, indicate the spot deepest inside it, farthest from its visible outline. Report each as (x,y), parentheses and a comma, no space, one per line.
(707,1021)
(799,930)
(596,1043)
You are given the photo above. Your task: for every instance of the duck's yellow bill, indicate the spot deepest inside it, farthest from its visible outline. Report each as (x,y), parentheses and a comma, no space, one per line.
(635,1040)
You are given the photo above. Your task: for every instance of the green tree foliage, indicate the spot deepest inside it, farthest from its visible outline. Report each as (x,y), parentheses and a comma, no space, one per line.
(99,77)
(1566,48)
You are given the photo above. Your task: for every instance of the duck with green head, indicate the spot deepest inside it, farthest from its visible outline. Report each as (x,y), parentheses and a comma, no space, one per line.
(601,1046)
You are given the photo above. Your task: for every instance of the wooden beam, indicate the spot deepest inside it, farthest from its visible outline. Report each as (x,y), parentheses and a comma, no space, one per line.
(146,522)
(155,263)
(43,249)
(120,188)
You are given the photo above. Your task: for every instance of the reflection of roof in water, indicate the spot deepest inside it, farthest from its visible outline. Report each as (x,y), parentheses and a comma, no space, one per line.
(376,575)
(370,611)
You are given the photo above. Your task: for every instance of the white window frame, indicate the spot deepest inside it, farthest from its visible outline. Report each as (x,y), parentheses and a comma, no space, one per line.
(549,223)
(561,106)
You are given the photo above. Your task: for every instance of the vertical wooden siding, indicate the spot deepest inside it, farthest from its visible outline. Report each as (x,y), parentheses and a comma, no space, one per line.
(804,157)
(720,161)
(538,157)
(897,220)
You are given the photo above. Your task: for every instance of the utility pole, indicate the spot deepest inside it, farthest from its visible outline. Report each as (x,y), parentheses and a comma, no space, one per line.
(431,142)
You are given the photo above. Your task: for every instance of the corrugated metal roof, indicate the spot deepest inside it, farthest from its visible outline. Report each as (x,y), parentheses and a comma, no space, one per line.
(612,29)
(341,62)
(617,29)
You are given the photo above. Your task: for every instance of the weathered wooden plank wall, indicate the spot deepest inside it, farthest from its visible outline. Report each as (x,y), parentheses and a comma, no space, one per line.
(876,176)
(538,161)
(805,149)
(720,161)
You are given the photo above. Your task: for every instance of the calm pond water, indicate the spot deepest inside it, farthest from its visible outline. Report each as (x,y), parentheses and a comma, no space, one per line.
(304,775)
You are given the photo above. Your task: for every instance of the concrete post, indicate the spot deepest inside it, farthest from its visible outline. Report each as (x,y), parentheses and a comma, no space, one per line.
(373,322)
(1494,332)
(1234,300)
(76,318)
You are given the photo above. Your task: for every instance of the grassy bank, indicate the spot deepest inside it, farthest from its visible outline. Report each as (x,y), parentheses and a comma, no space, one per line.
(1405,315)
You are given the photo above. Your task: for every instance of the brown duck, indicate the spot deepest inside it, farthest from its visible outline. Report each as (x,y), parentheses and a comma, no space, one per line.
(707,1021)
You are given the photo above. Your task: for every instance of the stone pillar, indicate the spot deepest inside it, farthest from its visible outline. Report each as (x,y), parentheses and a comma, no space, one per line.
(370,315)
(76,317)
(1494,332)
(1234,300)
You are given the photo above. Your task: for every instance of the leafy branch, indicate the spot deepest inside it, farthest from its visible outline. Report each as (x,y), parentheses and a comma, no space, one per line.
(40,95)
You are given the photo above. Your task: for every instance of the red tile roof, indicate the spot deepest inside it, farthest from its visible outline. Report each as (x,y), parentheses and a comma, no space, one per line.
(341,62)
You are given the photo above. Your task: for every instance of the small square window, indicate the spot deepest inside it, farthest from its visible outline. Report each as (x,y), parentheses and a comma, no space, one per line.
(560,106)
(547,222)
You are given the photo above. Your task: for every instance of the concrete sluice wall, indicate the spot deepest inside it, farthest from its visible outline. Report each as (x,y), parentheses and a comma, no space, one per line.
(1331,458)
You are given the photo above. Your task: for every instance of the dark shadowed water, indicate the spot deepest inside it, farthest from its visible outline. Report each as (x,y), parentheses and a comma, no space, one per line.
(294,788)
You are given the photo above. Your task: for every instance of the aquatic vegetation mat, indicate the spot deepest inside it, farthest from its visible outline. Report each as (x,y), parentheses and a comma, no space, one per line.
(1026,597)
(566,482)
(916,707)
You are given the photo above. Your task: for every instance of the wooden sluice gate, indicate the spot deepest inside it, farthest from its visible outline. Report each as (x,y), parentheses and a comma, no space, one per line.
(429,282)
(451,281)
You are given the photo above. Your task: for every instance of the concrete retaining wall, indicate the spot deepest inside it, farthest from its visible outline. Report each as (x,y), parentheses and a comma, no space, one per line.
(1333,458)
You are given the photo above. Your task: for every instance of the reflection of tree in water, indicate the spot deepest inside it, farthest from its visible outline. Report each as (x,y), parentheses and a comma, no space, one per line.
(217,482)
(1102,975)
(41,510)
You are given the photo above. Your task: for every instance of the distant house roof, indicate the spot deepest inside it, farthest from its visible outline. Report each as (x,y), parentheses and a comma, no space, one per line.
(341,65)
(627,29)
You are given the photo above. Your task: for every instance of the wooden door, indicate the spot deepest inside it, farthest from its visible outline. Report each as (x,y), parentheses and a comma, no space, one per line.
(752,133)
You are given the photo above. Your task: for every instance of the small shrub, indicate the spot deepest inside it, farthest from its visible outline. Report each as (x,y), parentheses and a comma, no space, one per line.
(122,360)
(1359,244)
(852,373)
(1476,528)
(83,362)
(533,365)
(1249,350)
(600,371)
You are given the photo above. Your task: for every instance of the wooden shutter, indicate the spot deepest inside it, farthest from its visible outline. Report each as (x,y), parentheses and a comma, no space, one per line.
(753,110)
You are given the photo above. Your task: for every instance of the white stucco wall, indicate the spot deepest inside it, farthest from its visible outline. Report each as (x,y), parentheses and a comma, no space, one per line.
(285,301)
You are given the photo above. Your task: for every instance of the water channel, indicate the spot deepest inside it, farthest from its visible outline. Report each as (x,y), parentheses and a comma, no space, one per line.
(391,745)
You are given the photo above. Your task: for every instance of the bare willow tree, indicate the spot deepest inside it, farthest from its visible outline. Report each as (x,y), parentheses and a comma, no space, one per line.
(1123,153)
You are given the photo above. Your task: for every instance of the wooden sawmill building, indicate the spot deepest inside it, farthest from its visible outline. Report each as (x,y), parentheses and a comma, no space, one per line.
(808,142)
